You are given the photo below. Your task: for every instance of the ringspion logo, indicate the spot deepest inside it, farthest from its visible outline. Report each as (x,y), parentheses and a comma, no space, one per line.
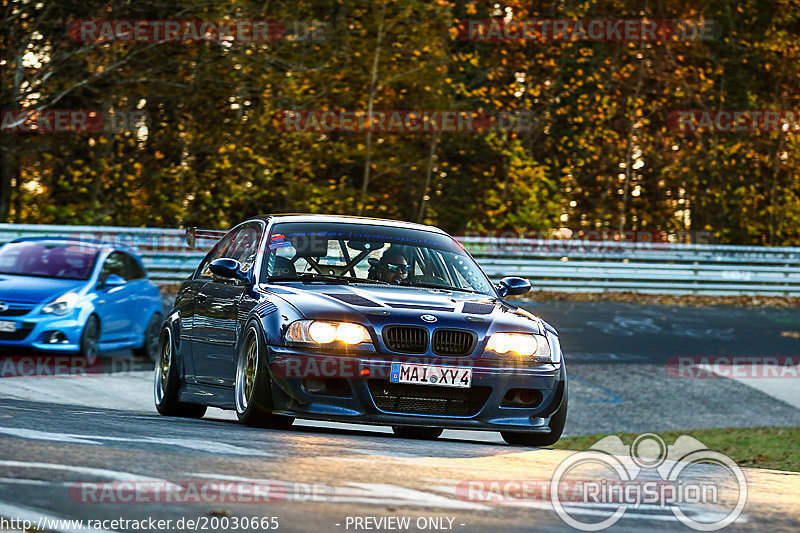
(682,477)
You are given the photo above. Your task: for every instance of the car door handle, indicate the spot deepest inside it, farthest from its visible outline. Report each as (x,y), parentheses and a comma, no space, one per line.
(201,297)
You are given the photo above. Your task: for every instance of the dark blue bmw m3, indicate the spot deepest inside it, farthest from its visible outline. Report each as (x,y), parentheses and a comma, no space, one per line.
(358,320)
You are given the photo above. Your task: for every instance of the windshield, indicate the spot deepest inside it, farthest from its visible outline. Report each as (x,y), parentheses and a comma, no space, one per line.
(47,260)
(368,253)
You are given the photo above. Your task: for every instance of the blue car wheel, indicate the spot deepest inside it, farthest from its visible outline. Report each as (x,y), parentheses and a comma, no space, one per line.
(557,422)
(90,337)
(166,383)
(149,348)
(253,385)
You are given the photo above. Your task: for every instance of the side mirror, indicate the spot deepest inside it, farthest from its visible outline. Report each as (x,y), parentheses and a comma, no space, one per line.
(112,281)
(227,268)
(513,286)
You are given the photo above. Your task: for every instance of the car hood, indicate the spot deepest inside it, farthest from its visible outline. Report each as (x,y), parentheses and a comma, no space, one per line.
(34,290)
(380,304)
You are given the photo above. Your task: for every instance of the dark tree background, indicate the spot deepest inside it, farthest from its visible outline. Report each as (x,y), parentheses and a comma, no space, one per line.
(599,154)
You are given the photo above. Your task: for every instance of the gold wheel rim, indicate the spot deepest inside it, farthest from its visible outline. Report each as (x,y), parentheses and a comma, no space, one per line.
(166,355)
(250,371)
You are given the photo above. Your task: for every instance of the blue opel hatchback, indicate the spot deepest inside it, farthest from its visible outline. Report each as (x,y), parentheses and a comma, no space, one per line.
(66,296)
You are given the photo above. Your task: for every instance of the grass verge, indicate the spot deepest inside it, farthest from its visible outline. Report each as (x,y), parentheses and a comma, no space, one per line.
(776,448)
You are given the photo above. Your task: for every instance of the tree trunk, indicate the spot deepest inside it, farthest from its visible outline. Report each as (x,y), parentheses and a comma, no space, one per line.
(423,200)
(371,101)
(9,169)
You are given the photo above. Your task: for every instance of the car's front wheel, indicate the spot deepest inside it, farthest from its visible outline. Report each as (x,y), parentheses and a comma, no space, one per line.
(410,432)
(90,339)
(557,421)
(166,382)
(253,384)
(150,346)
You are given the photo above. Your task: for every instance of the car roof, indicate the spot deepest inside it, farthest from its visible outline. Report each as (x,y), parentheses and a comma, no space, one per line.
(306,217)
(70,240)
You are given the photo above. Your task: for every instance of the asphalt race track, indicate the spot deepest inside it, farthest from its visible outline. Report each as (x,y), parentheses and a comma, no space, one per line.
(63,440)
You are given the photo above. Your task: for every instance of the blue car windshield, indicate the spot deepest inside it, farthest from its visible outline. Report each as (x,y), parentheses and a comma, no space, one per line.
(47,260)
(371,253)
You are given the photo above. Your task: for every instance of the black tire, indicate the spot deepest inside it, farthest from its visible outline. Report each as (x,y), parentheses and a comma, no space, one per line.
(90,338)
(166,382)
(557,422)
(411,432)
(253,392)
(150,346)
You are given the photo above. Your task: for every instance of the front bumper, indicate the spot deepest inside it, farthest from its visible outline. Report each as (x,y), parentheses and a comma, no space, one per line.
(367,379)
(33,330)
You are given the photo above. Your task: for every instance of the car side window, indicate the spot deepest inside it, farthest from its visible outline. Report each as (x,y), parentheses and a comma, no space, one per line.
(219,250)
(133,269)
(114,264)
(245,247)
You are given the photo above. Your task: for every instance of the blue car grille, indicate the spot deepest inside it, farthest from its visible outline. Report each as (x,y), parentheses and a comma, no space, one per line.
(426,400)
(453,342)
(406,339)
(17,310)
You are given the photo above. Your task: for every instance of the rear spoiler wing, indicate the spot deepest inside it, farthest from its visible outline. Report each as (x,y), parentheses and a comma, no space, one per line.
(193,234)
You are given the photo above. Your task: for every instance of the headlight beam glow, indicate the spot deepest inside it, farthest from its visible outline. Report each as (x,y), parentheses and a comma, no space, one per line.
(324,332)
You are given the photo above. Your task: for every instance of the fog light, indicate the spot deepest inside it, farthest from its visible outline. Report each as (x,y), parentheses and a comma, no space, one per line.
(522,398)
(56,337)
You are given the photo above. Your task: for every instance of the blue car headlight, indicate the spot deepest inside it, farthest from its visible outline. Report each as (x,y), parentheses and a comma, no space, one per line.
(62,305)
(524,344)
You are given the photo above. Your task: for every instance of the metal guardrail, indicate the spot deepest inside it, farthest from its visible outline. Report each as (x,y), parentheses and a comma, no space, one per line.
(551,265)
(165,254)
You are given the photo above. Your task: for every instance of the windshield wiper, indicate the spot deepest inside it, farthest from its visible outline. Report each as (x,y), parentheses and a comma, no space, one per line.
(435,286)
(311,276)
(367,280)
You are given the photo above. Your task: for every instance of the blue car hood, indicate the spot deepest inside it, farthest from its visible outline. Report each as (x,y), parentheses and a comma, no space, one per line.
(381,304)
(34,290)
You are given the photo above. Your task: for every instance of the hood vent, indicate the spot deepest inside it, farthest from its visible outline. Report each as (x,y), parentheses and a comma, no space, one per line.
(354,299)
(278,290)
(422,307)
(477,308)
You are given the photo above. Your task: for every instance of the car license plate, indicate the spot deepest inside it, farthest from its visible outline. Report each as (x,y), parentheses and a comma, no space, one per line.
(7,326)
(443,376)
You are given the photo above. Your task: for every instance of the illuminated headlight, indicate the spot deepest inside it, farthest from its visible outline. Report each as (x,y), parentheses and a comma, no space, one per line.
(326,332)
(526,344)
(62,305)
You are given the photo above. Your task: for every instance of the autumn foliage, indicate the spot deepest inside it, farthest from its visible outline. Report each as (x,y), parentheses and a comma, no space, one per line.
(596,151)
